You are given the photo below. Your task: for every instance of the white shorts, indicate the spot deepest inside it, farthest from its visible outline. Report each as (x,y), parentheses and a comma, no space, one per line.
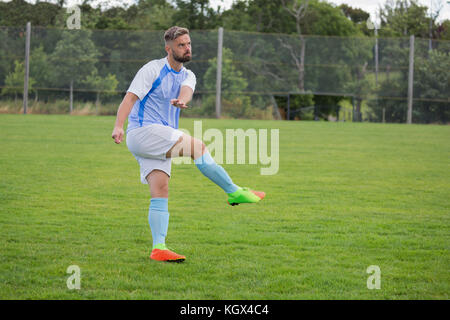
(149,146)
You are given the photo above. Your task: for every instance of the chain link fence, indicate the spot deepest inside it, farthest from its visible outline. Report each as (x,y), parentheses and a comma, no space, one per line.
(262,76)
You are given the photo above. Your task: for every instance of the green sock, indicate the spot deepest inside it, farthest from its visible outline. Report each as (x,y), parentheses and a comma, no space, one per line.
(160,246)
(236,193)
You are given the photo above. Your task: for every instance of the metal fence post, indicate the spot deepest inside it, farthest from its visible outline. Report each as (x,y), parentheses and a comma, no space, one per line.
(288,107)
(410,80)
(219,72)
(353,109)
(376,56)
(71,97)
(27,68)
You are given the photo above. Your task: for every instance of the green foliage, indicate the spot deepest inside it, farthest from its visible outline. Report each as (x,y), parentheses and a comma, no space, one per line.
(114,23)
(194,14)
(232,83)
(106,85)
(232,79)
(74,58)
(359,52)
(19,12)
(153,15)
(432,82)
(356,15)
(40,68)
(271,16)
(256,15)
(324,19)
(404,18)
(263,63)
(395,109)
(301,106)
(14,81)
(326,105)
(443,30)
(399,18)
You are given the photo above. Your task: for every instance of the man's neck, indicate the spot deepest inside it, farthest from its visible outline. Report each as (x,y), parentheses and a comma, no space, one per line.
(175,65)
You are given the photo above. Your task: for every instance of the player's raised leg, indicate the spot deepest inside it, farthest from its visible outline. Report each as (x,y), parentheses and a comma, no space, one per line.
(158,217)
(196,149)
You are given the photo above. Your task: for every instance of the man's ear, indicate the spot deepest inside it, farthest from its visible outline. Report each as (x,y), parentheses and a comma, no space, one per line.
(167,48)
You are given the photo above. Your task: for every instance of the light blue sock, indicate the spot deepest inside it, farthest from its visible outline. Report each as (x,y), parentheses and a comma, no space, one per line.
(215,173)
(158,218)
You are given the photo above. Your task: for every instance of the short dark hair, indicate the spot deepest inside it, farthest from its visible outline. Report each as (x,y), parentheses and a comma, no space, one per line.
(174,32)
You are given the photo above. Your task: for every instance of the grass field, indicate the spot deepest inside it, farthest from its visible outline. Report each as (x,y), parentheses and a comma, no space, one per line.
(347,196)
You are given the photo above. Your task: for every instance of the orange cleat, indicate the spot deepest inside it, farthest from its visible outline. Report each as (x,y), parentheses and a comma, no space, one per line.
(260,194)
(166,255)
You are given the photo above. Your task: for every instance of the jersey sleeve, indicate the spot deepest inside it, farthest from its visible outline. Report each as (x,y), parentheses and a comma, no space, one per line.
(143,80)
(190,81)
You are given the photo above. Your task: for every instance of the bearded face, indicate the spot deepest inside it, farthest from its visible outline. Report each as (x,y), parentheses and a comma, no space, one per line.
(184,58)
(181,49)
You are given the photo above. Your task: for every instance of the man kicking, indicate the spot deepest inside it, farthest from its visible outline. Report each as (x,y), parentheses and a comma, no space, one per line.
(152,104)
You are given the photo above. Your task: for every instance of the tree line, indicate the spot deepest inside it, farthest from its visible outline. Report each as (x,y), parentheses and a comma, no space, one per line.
(252,65)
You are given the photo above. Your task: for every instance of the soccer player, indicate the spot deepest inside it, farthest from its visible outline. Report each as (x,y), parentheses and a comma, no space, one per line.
(152,104)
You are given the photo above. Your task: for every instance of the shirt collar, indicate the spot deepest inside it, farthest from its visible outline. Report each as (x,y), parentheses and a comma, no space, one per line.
(170,68)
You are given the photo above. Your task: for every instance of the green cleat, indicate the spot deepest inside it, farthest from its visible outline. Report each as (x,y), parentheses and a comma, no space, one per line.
(245,195)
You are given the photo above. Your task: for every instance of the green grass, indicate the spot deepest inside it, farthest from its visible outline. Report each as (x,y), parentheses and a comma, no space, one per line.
(347,196)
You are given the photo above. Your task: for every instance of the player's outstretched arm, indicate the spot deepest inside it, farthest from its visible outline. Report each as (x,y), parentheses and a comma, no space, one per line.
(123,112)
(184,97)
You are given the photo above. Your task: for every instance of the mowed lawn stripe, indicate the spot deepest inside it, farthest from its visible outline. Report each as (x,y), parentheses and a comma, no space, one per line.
(346,196)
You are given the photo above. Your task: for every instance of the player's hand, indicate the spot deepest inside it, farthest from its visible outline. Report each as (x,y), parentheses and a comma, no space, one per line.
(178,103)
(117,134)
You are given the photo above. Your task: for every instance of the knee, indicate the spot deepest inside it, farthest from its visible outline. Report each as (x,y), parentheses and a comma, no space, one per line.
(160,191)
(203,147)
(198,148)
(159,184)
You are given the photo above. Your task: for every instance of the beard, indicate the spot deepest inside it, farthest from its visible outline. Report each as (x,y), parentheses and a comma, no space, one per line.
(181,59)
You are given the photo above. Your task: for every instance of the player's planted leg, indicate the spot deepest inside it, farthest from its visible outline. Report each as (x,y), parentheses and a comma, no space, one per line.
(158,218)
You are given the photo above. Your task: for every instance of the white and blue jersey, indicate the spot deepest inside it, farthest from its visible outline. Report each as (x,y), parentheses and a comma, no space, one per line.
(155,84)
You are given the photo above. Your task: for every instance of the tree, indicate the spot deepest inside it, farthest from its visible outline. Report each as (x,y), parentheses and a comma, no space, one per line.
(195,15)
(101,85)
(443,30)
(354,14)
(291,61)
(153,15)
(323,19)
(11,48)
(394,109)
(40,68)
(401,18)
(73,58)
(257,15)
(233,84)
(19,12)
(15,80)
(297,9)
(360,87)
(358,53)
(432,86)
